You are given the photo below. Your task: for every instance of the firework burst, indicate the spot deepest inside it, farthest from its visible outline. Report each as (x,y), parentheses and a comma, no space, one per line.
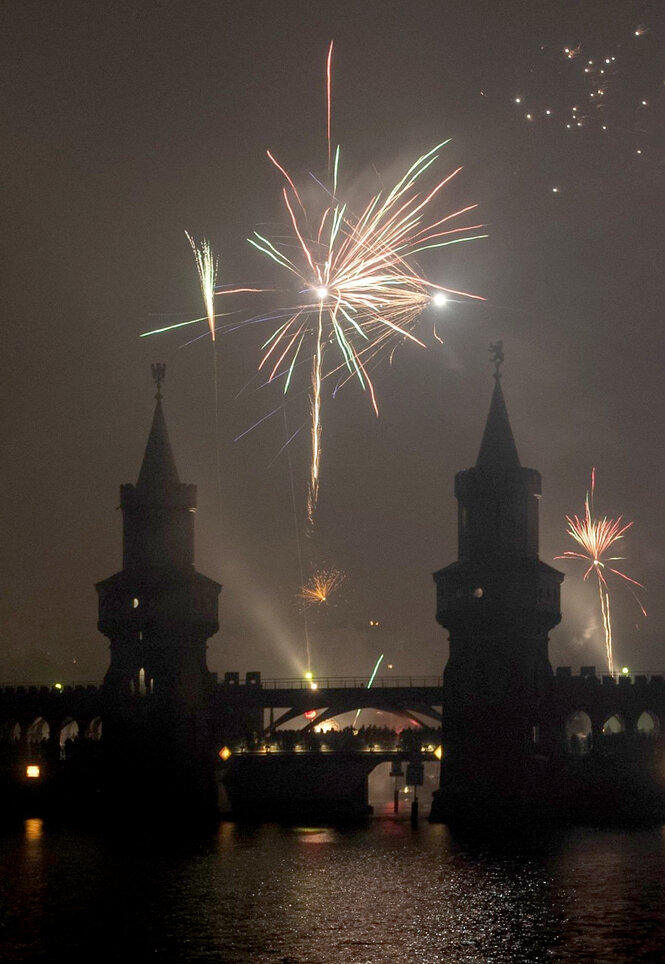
(360,288)
(321,586)
(596,536)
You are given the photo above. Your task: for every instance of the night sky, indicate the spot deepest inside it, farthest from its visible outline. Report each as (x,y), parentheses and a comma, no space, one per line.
(125,124)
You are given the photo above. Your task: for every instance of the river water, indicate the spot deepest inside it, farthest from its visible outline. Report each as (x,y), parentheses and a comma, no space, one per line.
(382,892)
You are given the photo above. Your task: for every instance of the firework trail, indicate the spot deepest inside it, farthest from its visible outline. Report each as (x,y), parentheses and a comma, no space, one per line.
(321,586)
(369,686)
(206,265)
(596,536)
(360,287)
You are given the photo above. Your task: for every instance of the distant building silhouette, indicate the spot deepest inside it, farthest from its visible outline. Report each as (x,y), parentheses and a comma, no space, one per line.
(158,613)
(519,740)
(498,602)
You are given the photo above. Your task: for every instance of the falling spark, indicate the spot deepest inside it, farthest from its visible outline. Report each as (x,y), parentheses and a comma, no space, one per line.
(321,586)
(596,537)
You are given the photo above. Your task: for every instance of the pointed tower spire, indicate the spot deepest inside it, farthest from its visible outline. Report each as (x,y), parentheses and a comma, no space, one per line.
(498,451)
(158,469)
(498,602)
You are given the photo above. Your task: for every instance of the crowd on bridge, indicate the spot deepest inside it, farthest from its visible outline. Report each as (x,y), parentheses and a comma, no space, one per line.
(365,738)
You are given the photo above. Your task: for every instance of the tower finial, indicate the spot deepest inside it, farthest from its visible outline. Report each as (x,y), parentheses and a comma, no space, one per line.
(496,357)
(158,375)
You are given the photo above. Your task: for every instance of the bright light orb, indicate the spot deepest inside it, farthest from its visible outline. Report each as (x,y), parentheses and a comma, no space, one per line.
(439,299)
(321,293)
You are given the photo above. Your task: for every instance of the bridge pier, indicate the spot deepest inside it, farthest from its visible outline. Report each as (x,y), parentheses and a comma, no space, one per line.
(283,786)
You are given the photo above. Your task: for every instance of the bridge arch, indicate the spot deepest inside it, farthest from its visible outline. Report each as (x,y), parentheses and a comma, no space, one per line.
(614,725)
(338,707)
(648,724)
(37,733)
(69,730)
(579,733)
(93,731)
(10,731)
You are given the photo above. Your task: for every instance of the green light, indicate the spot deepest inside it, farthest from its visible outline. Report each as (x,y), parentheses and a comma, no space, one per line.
(57,686)
(378,663)
(625,670)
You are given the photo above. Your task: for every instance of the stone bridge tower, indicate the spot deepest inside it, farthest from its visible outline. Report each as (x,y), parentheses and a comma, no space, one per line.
(158,613)
(498,603)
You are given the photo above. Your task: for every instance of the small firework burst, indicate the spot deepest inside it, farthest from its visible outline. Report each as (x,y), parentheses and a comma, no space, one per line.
(596,536)
(323,583)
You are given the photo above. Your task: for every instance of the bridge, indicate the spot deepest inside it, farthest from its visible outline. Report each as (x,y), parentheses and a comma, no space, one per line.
(513,731)
(55,732)
(36,714)
(329,697)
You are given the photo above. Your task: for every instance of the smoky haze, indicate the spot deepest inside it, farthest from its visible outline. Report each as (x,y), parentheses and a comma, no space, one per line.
(126,125)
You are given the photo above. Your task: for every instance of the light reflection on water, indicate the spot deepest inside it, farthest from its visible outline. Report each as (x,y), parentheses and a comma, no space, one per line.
(382,894)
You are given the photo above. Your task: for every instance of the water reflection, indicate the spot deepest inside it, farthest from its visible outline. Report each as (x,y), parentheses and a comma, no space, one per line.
(33,828)
(382,894)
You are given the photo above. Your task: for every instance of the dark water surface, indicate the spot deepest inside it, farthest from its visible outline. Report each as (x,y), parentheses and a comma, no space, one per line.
(311,895)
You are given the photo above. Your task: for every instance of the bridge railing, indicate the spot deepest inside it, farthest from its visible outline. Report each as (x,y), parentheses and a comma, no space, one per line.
(60,685)
(350,682)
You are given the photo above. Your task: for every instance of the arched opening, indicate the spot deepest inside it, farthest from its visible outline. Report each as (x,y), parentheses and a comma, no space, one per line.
(578,733)
(37,735)
(69,731)
(144,683)
(381,787)
(386,784)
(613,726)
(648,725)
(10,732)
(10,735)
(94,731)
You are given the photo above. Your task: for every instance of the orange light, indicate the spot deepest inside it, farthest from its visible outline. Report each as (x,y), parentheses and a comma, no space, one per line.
(438,753)
(32,772)
(224,753)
